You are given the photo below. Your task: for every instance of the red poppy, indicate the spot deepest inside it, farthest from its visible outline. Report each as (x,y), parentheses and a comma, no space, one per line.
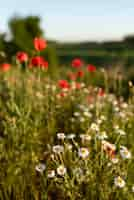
(80,74)
(63,84)
(101,92)
(91,68)
(40,44)
(22,57)
(62,94)
(78,85)
(5,67)
(72,76)
(77,63)
(45,64)
(39,61)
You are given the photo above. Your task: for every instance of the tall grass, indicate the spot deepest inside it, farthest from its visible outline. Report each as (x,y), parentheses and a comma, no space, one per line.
(93,131)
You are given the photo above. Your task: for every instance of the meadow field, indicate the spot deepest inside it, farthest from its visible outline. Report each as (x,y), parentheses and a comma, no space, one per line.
(66,135)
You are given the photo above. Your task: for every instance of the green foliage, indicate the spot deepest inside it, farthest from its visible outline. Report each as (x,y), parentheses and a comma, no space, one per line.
(24,30)
(52,58)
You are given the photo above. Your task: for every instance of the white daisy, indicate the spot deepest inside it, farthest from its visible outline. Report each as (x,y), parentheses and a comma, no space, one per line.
(61,170)
(82,119)
(71,136)
(87,114)
(94,127)
(125,154)
(120,132)
(83,152)
(85,137)
(40,167)
(58,149)
(77,114)
(114,160)
(119,182)
(61,136)
(102,135)
(51,174)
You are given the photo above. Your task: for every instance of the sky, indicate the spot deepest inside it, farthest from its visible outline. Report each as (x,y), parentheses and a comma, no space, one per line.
(75,20)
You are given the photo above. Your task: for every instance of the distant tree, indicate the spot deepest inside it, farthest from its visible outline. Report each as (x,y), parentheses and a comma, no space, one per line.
(23,30)
(129,41)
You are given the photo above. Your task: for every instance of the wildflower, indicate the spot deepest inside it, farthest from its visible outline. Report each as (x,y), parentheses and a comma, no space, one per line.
(94,127)
(133,188)
(39,95)
(61,95)
(99,121)
(82,85)
(5,67)
(87,114)
(80,74)
(119,182)
(61,170)
(91,68)
(109,148)
(115,102)
(63,84)
(77,86)
(130,84)
(85,90)
(40,167)
(61,136)
(85,137)
(116,108)
(114,160)
(39,44)
(39,61)
(116,127)
(91,106)
(83,152)
(73,85)
(101,92)
(102,135)
(125,154)
(44,65)
(65,90)
(53,88)
(51,174)
(72,76)
(103,118)
(58,149)
(124,105)
(122,115)
(22,57)
(77,63)
(72,119)
(71,136)
(36,61)
(120,132)
(76,114)
(82,119)
(82,107)
(47,86)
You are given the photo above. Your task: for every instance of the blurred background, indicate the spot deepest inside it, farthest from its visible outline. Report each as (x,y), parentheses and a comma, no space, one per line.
(99,32)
